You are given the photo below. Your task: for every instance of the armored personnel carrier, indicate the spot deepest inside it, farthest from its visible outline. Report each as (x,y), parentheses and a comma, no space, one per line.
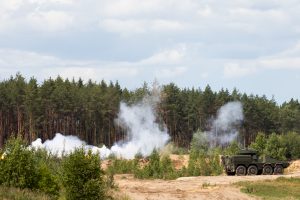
(246,162)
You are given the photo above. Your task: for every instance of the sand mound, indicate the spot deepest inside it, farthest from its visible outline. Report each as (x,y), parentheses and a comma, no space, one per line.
(179,161)
(294,167)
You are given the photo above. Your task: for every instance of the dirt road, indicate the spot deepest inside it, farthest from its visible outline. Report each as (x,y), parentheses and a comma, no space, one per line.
(187,188)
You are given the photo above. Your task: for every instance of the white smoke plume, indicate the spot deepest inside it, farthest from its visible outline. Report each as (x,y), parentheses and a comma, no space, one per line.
(225,127)
(144,134)
(62,145)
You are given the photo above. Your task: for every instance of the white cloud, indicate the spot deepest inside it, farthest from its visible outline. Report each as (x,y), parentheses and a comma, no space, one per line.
(234,70)
(170,72)
(288,59)
(137,26)
(281,63)
(129,8)
(41,2)
(7,9)
(10,5)
(41,15)
(130,17)
(125,27)
(44,66)
(206,11)
(204,75)
(139,39)
(166,57)
(10,58)
(94,73)
(166,63)
(166,25)
(50,20)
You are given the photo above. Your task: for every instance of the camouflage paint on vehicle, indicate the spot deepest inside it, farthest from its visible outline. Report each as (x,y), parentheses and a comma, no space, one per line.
(247,162)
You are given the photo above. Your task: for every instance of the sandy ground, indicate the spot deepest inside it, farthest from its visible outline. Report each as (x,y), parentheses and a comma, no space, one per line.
(187,188)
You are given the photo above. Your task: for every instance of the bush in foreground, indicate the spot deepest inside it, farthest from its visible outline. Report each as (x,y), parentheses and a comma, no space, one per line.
(22,168)
(18,167)
(82,176)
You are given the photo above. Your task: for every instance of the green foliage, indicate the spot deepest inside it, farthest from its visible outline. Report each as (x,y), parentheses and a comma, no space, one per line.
(260,143)
(82,176)
(203,164)
(281,188)
(290,116)
(48,182)
(167,169)
(122,166)
(153,169)
(232,149)
(157,168)
(203,161)
(274,147)
(25,168)
(285,146)
(48,172)
(291,141)
(18,168)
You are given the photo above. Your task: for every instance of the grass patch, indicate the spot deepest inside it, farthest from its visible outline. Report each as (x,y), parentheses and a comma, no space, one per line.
(207,185)
(10,193)
(281,188)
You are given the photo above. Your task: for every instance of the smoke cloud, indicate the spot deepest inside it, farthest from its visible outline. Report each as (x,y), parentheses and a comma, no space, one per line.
(225,126)
(144,133)
(63,145)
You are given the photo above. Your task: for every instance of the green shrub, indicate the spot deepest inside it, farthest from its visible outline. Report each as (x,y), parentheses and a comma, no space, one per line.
(82,176)
(167,170)
(48,182)
(18,168)
(204,161)
(274,147)
(285,146)
(232,149)
(159,168)
(122,166)
(260,143)
(48,172)
(291,141)
(27,168)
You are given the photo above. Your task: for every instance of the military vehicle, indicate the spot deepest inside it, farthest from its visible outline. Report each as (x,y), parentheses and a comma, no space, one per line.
(246,162)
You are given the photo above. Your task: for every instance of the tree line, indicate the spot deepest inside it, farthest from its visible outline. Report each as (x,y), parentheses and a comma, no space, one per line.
(89,109)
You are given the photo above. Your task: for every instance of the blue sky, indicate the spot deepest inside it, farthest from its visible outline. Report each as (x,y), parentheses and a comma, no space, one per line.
(253,45)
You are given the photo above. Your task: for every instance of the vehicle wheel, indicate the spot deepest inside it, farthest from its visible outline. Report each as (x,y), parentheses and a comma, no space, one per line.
(241,170)
(278,169)
(267,170)
(252,170)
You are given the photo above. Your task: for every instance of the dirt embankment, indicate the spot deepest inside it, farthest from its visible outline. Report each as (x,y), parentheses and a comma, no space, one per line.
(293,168)
(188,188)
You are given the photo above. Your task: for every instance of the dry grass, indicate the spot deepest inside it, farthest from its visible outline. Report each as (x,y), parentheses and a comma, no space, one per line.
(9,193)
(280,188)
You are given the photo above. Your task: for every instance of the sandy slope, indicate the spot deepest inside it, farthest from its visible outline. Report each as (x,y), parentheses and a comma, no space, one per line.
(202,187)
